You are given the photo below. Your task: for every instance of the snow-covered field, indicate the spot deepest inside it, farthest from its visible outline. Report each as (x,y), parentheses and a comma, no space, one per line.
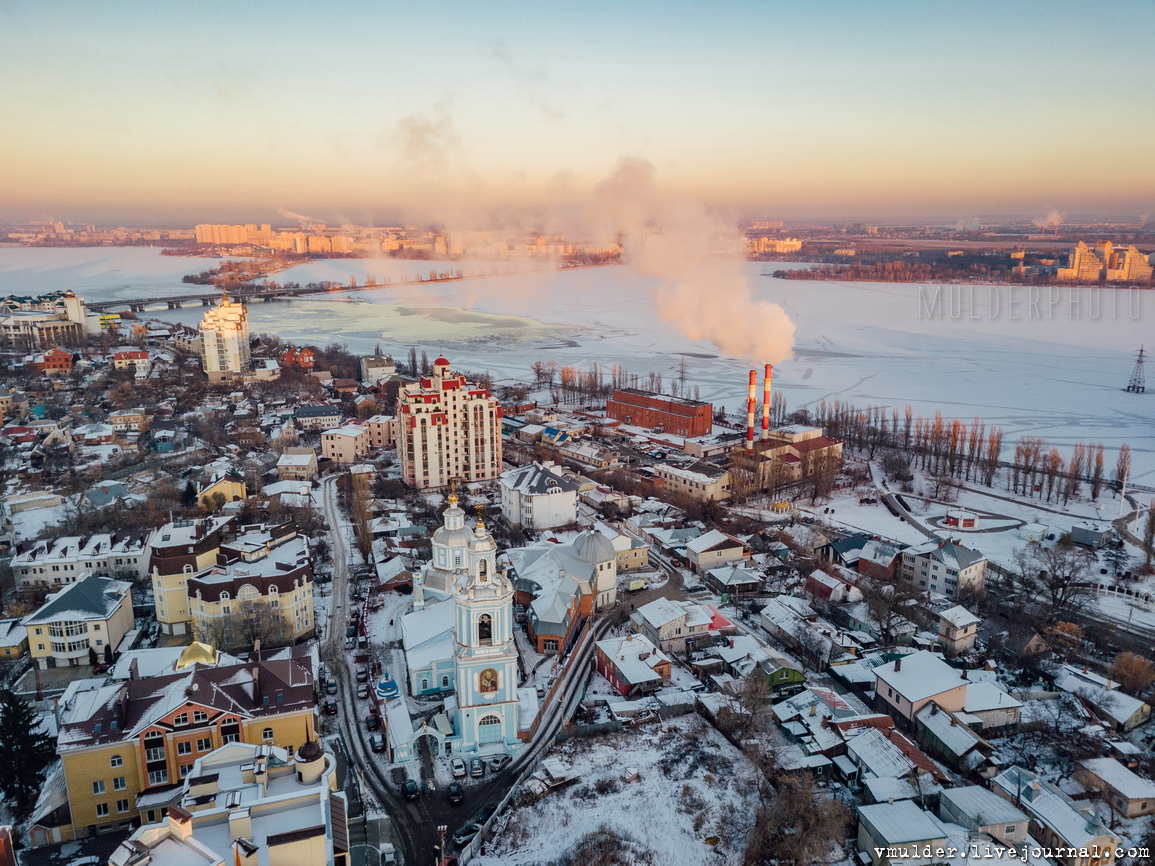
(691,784)
(1052,365)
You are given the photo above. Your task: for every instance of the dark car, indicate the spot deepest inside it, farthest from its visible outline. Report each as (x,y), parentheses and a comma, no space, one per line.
(377,743)
(485,813)
(371,723)
(410,790)
(351,631)
(331,707)
(99,669)
(456,794)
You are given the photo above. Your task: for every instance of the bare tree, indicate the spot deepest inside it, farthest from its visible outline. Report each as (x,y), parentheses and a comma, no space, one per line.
(798,826)
(1056,576)
(249,621)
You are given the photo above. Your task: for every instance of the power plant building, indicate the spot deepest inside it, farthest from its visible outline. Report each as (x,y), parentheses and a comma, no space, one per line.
(447,430)
(689,418)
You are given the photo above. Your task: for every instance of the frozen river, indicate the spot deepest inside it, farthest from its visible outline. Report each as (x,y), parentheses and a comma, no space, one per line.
(1052,364)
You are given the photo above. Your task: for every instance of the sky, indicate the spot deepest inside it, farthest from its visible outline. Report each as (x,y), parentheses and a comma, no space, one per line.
(379,111)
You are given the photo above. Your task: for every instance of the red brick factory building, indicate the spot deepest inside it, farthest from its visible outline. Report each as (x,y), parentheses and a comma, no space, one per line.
(687,418)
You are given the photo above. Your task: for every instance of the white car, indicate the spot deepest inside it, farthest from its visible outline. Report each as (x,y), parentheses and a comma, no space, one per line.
(458,766)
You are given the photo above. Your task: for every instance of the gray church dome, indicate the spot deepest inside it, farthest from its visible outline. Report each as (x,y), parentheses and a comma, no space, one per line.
(594,547)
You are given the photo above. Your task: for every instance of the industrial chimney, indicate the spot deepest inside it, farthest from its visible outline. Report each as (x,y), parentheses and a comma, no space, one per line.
(750,410)
(766,403)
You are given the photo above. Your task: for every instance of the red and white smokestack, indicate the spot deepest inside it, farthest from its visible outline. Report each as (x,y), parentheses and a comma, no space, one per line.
(766,403)
(750,404)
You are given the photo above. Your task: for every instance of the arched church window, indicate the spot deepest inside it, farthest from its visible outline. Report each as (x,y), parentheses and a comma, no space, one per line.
(483,570)
(485,630)
(487,681)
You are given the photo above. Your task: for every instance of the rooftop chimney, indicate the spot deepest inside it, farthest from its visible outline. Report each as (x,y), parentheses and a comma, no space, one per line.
(766,403)
(750,410)
(898,664)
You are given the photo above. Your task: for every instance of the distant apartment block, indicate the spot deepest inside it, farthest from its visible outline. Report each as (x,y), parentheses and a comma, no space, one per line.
(675,415)
(54,562)
(447,429)
(345,444)
(1105,261)
(375,368)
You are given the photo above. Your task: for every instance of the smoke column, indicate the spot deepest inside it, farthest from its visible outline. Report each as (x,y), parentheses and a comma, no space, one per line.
(703,291)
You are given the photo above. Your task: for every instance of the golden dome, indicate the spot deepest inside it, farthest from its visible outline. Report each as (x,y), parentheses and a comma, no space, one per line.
(197,653)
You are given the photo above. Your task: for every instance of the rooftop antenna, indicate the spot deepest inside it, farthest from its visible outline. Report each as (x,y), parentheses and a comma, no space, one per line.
(1138,384)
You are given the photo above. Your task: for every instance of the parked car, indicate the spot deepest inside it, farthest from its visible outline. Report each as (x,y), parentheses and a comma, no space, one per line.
(363,690)
(388,854)
(456,793)
(377,743)
(410,790)
(464,834)
(99,669)
(362,673)
(372,722)
(330,686)
(485,813)
(350,642)
(351,631)
(330,707)
(499,762)
(476,768)
(458,766)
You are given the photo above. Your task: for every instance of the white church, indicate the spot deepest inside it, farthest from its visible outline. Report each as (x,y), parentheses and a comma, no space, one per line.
(459,643)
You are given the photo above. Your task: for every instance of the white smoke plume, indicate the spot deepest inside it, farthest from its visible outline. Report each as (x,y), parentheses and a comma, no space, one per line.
(1051,221)
(704,292)
(301,218)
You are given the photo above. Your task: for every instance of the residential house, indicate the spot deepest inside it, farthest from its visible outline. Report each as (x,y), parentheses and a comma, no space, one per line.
(896,834)
(129,421)
(89,616)
(700,481)
(297,464)
(377,368)
(131,359)
(222,484)
(54,562)
(715,549)
(733,580)
(1001,634)
(1056,820)
(632,553)
(381,431)
(538,496)
(632,664)
(1117,709)
(176,552)
(958,629)
(317,417)
(675,626)
(906,684)
(1127,793)
(345,444)
(13,638)
(983,811)
(54,362)
(246,803)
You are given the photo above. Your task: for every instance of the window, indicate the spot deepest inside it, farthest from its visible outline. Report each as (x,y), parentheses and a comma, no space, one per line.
(1010,828)
(101,810)
(182,719)
(204,744)
(267,735)
(230,738)
(445,682)
(185,769)
(200,716)
(485,630)
(118,784)
(154,754)
(98,787)
(122,806)
(116,761)
(184,748)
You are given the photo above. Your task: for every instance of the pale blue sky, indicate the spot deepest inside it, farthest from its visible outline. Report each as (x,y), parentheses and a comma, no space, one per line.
(215,110)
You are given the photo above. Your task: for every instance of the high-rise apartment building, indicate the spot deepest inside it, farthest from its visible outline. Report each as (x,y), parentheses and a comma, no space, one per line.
(225,351)
(448,429)
(1116,264)
(214,234)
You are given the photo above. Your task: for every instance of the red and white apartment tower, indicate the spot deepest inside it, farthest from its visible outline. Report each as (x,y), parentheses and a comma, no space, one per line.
(448,429)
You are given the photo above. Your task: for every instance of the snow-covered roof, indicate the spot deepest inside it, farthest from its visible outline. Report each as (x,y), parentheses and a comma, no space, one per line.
(90,598)
(713,538)
(634,657)
(901,822)
(985,696)
(954,737)
(535,478)
(959,617)
(1050,807)
(872,750)
(919,675)
(1122,779)
(983,807)
(947,552)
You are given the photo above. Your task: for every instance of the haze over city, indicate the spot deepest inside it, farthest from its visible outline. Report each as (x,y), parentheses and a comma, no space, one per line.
(366,112)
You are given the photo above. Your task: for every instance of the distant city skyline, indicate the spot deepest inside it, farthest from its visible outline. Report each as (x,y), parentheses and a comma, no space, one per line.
(466,114)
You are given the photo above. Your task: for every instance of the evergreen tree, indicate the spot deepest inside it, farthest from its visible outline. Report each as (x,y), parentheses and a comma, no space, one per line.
(25,751)
(188,496)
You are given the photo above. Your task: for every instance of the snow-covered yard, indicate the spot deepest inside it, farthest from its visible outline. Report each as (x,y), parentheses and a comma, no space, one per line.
(691,784)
